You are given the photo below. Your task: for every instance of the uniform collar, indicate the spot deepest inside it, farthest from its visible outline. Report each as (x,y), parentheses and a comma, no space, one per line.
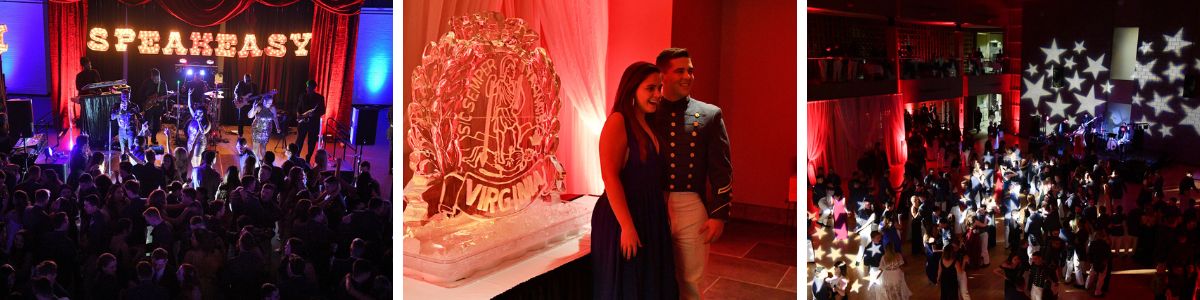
(680,104)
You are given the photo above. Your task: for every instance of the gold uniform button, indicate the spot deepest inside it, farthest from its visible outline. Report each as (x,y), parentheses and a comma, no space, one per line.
(693,133)
(691,165)
(672,124)
(692,155)
(672,186)
(693,144)
(672,114)
(689,176)
(689,186)
(697,115)
(697,124)
(672,176)
(673,144)
(672,165)
(672,155)
(672,133)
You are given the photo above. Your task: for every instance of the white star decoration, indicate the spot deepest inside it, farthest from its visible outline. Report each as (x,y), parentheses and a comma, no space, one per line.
(1164,98)
(1079,47)
(1074,82)
(1145,47)
(1069,62)
(1107,86)
(1035,90)
(1175,43)
(1166,130)
(1189,111)
(1095,66)
(1088,102)
(1139,99)
(874,249)
(1143,73)
(1053,53)
(835,253)
(856,286)
(1032,70)
(1175,72)
(1058,108)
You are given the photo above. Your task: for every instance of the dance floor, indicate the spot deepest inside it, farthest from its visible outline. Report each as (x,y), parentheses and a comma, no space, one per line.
(752,261)
(1129,281)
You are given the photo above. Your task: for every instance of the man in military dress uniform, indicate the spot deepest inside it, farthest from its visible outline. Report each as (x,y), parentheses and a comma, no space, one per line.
(699,171)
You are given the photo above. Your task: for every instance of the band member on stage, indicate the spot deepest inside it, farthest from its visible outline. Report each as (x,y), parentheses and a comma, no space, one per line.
(151,99)
(310,110)
(197,129)
(265,119)
(87,76)
(243,90)
(126,123)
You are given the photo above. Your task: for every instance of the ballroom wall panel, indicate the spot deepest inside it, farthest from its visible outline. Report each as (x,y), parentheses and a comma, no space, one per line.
(25,63)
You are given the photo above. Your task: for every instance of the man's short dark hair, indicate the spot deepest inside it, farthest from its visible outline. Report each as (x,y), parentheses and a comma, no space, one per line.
(144,270)
(664,58)
(154,72)
(84,60)
(311,83)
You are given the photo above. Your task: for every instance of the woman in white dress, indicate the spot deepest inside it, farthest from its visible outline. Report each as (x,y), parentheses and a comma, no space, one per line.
(888,281)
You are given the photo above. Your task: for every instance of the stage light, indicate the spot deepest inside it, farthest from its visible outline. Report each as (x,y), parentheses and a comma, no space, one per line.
(210,61)
(202,73)
(189,72)
(183,60)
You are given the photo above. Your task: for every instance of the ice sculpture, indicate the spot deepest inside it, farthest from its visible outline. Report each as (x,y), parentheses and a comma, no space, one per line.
(483,133)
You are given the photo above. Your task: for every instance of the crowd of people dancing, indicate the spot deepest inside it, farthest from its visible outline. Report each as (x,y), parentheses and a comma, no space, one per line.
(1062,218)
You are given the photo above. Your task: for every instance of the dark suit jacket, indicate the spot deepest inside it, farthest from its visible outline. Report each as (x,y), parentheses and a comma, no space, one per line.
(149,177)
(696,149)
(146,290)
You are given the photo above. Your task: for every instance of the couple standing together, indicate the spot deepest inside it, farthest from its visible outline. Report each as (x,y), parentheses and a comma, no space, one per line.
(664,158)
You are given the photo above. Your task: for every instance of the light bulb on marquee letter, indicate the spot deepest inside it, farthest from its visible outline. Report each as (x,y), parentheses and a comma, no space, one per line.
(174,45)
(225,44)
(301,40)
(275,46)
(98,39)
(250,47)
(200,44)
(149,42)
(124,36)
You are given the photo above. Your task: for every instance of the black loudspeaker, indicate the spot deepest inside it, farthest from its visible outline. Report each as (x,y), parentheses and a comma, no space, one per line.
(1189,85)
(1060,77)
(20,117)
(363,121)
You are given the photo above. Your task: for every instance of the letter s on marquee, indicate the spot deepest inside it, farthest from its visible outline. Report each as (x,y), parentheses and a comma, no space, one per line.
(98,39)
(3,46)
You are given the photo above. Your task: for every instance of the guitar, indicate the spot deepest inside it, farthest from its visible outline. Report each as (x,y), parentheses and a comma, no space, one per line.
(154,101)
(241,102)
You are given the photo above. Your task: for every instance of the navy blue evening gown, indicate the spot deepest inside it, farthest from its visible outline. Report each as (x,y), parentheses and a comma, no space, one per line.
(651,273)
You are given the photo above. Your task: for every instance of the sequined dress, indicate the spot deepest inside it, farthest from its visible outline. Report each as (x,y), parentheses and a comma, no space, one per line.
(262,125)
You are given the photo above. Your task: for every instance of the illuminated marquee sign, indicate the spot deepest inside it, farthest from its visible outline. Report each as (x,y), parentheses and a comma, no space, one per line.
(3,46)
(202,43)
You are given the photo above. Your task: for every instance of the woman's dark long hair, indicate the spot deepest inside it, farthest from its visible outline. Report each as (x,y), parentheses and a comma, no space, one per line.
(626,102)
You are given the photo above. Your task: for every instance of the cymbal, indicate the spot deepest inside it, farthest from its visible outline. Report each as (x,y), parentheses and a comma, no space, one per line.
(215,93)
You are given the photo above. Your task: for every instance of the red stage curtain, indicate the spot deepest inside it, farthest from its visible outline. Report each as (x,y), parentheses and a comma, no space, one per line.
(66,47)
(205,13)
(844,129)
(331,64)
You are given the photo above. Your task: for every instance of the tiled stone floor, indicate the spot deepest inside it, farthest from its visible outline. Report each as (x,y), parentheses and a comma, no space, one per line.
(752,261)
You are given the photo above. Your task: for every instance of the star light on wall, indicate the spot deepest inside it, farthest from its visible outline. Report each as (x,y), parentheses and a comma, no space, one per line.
(1145,48)
(1035,90)
(1143,73)
(1058,107)
(1069,62)
(1032,69)
(1053,53)
(1089,102)
(1075,82)
(1107,86)
(1079,47)
(1175,43)
(1095,66)
(1175,72)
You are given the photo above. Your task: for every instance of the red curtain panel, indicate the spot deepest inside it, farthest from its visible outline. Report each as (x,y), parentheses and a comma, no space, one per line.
(66,47)
(202,13)
(331,61)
